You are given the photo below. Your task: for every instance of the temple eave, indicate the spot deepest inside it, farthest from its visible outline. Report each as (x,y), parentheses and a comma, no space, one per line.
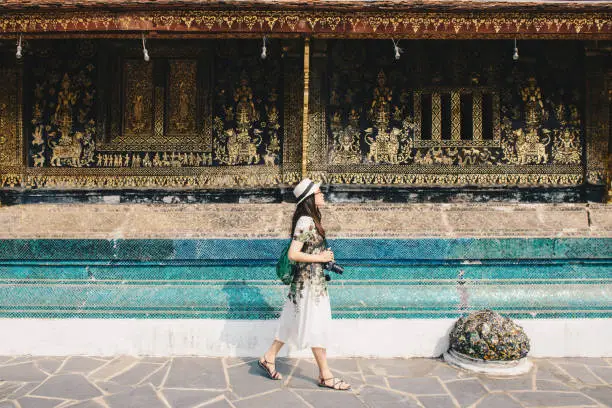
(559,24)
(313,5)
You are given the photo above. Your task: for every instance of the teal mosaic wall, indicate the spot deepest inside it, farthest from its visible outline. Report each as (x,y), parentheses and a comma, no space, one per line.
(235,278)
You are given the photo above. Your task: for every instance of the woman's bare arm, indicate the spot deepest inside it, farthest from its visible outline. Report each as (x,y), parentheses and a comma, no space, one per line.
(295,254)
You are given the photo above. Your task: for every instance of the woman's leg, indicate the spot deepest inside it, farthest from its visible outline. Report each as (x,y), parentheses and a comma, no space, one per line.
(275,347)
(268,360)
(320,355)
(325,374)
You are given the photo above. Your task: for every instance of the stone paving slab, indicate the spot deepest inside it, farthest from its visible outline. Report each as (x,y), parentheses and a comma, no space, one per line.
(437,401)
(467,392)
(80,364)
(195,382)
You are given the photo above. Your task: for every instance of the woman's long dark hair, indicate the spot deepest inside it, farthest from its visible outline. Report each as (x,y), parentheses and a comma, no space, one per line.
(308,208)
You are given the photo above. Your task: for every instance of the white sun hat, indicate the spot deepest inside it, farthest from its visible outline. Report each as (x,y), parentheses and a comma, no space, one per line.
(304,189)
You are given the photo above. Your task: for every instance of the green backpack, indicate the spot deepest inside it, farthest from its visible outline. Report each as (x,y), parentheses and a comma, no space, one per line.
(285,267)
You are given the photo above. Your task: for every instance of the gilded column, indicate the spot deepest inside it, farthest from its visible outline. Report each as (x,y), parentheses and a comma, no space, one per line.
(477,116)
(12,158)
(158,112)
(417,115)
(293,105)
(318,146)
(455,115)
(597,118)
(436,116)
(305,106)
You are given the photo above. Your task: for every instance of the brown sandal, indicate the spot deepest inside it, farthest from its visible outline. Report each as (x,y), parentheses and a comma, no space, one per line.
(336,385)
(272,373)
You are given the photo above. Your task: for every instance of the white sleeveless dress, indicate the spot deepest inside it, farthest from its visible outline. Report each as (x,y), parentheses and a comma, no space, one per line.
(306,317)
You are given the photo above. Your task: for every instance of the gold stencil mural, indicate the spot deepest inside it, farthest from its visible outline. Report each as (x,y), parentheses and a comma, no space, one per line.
(161,105)
(247,123)
(63,122)
(213,114)
(446,114)
(156,127)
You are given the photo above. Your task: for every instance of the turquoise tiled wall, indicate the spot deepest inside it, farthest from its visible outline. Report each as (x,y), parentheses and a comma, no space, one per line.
(235,279)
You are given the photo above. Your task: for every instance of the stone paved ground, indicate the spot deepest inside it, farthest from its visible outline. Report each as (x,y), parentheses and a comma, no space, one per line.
(151,382)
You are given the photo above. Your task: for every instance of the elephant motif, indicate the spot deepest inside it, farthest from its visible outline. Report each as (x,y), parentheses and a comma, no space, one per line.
(530,148)
(71,152)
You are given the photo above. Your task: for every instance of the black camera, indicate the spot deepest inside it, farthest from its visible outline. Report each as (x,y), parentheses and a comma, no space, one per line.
(334,267)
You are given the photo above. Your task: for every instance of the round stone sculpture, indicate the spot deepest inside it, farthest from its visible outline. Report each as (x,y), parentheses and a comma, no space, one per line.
(485,341)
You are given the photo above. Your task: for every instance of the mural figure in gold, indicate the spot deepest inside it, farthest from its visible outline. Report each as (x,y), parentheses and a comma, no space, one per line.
(345,149)
(272,151)
(380,109)
(385,147)
(66,149)
(71,151)
(566,147)
(529,146)
(534,107)
(273,148)
(183,119)
(66,99)
(387,144)
(240,148)
(245,108)
(138,122)
(183,112)
(239,144)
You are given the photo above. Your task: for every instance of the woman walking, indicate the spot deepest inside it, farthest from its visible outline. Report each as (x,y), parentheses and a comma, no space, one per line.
(306,317)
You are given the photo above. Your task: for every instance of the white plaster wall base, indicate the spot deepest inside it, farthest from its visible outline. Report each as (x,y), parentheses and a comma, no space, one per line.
(352,337)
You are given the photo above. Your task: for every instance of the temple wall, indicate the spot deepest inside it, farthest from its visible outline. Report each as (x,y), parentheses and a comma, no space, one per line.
(199,279)
(442,169)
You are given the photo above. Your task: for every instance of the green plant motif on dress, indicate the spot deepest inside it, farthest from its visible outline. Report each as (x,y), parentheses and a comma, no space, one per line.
(314,243)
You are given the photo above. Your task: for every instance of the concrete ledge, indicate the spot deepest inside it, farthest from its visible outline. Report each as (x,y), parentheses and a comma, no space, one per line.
(115,221)
(394,337)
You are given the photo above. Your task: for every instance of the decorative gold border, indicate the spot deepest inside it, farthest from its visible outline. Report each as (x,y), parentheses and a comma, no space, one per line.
(452,180)
(359,24)
(217,177)
(449,175)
